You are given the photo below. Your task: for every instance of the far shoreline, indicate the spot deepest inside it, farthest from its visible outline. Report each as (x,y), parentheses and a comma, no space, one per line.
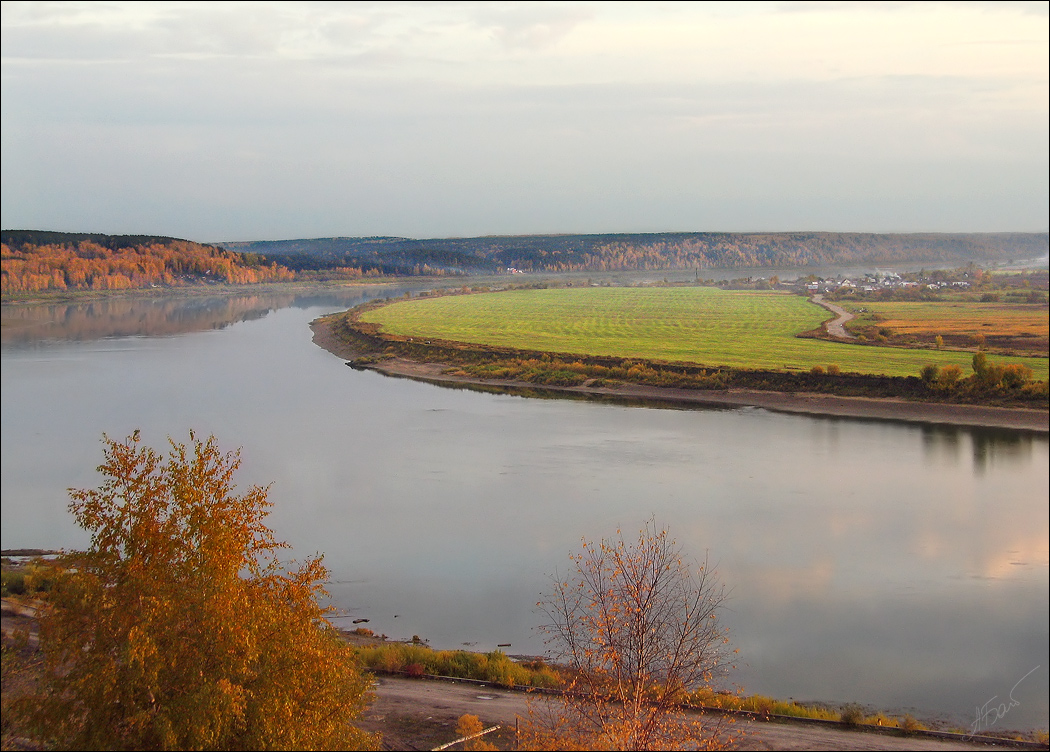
(804,403)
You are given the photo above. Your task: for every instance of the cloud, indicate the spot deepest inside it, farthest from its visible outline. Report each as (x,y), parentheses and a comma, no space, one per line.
(466,118)
(530,25)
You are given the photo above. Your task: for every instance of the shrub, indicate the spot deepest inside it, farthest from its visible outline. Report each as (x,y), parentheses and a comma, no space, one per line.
(817,370)
(910,724)
(1016,375)
(949,376)
(13,583)
(833,369)
(415,670)
(470,725)
(852,714)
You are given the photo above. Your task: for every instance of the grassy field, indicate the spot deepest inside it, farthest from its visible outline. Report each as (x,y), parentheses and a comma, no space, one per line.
(702,325)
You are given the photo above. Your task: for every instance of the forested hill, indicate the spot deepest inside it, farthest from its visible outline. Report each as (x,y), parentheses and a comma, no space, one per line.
(34,261)
(615,252)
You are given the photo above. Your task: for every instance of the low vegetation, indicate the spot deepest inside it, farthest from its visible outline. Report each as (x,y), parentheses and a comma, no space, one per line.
(1005,329)
(415,659)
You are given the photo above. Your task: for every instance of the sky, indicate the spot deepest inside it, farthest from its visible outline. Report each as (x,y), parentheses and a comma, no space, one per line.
(253,121)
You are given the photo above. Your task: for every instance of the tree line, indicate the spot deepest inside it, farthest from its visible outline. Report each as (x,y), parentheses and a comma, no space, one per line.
(88,262)
(34,261)
(643,251)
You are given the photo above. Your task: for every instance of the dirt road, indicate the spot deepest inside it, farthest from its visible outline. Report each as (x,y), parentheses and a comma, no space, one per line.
(417,714)
(836,328)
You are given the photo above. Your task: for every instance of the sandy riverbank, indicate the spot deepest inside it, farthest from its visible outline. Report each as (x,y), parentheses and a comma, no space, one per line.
(809,403)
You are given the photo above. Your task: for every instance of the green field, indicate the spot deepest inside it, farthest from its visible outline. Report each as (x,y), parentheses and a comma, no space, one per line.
(702,325)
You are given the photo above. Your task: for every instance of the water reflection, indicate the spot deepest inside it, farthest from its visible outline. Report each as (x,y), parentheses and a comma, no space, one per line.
(1003,448)
(165,316)
(942,444)
(985,447)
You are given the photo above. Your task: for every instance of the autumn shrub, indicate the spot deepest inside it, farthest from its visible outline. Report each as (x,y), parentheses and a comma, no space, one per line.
(415,670)
(852,714)
(558,377)
(179,628)
(949,376)
(834,369)
(817,370)
(470,726)
(1015,375)
(910,725)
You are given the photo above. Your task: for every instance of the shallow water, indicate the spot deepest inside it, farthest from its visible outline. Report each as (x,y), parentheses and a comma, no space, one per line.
(884,563)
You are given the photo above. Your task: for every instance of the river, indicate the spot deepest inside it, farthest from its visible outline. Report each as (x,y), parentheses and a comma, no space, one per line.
(892,564)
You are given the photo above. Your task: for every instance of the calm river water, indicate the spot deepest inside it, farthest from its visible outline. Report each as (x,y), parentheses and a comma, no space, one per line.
(898,565)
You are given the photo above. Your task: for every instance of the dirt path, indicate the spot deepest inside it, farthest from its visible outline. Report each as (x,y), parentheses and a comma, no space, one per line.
(417,714)
(836,328)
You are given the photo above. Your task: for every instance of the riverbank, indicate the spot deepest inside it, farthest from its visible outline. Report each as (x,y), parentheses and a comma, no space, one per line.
(808,403)
(421,712)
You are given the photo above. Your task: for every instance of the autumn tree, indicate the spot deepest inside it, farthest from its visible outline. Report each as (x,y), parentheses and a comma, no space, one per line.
(179,629)
(638,627)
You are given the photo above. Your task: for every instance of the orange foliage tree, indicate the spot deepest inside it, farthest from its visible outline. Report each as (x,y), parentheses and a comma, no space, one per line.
(179,629)
(639,628)
(87,265)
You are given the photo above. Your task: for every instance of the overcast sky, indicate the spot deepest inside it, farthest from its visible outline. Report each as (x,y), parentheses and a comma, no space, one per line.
(238,121)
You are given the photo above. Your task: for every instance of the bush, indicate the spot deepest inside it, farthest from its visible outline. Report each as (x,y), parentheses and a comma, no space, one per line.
(1015,375)
(415,670)
(852,714)
(929,373)
(949,376)
(13,583)
(910,724)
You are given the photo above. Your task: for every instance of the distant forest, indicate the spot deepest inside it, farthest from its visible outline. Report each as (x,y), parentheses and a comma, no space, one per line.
(34,260)
(649,251)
